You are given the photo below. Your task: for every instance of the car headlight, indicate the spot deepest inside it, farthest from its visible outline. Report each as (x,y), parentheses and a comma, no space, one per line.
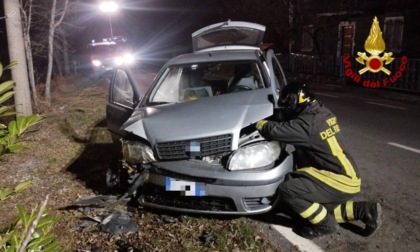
(136,152)
(128,59)
(96,63)
(253,156)
(119,61)
(125,59)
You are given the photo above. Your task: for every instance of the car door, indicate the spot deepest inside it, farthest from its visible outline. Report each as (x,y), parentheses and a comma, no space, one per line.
(277,77)
(124,95)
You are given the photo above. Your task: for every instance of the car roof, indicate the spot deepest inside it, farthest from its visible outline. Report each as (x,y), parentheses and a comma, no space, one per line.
(228,35)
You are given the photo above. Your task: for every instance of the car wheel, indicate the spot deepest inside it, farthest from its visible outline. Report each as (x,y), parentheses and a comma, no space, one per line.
(113,175)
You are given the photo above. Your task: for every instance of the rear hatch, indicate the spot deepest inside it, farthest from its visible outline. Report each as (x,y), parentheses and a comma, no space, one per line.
(228,35)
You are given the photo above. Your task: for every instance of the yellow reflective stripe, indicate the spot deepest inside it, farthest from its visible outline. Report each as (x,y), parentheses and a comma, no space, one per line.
(337,181)
(349,210)
(319,217)
(311,210)
(338,152)
(337,214)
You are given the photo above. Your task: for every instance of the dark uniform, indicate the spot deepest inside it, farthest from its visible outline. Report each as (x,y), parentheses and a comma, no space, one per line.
(326,177)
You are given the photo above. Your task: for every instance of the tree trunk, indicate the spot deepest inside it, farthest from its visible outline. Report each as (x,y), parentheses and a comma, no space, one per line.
(17,53)
(27,18)
(57,60)
(53,25)
(31,73)
(50,53)
(65,55)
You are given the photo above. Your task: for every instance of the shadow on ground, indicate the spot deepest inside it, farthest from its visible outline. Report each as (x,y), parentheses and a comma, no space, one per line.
(91,166)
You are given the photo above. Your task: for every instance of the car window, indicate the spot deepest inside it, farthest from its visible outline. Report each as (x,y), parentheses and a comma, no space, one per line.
(278,74)
(122,91)
(167,90)
(189,82)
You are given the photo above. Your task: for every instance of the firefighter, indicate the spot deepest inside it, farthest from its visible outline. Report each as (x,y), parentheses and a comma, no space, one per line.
(326,177)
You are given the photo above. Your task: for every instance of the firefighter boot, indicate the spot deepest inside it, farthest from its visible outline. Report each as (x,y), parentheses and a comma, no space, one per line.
(327,226)
(369,213)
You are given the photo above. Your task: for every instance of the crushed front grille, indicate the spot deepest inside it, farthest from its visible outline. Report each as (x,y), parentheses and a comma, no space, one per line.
(199,147)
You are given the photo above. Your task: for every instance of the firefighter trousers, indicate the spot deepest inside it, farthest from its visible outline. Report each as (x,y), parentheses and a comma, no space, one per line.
(315,203)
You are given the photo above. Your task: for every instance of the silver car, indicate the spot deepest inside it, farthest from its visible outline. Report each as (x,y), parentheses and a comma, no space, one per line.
(189,143)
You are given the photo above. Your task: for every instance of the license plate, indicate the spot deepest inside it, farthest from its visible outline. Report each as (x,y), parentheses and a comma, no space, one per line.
(187,188)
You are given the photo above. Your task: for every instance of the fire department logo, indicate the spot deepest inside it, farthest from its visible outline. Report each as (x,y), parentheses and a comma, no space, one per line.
(374,45)
(374,61)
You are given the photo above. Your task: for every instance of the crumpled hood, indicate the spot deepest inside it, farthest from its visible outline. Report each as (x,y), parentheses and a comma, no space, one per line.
(204,117)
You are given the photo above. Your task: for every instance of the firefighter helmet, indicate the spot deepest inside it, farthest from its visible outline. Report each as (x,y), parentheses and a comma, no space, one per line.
(295,97)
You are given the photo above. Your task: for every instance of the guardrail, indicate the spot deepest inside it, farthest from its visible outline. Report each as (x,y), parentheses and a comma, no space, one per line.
(404,72)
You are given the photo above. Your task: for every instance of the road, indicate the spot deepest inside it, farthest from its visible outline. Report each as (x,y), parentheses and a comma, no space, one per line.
(382,132)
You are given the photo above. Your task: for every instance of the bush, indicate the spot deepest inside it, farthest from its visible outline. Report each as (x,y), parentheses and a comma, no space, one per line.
(10,134)
(28,232)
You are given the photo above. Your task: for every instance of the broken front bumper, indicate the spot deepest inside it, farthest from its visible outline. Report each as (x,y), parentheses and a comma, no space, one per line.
(193,187)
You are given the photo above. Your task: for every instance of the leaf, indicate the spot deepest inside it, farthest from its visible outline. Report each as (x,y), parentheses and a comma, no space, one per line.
(4,109)
(41,241)
(6,86)
(14,147)
(6,96)
(24,217)
(23,185)
(5,193)
(11,249)
(22,123)
(54,246)
(1,69)
(12,128)
(6,238)
(47,222)
(11,65)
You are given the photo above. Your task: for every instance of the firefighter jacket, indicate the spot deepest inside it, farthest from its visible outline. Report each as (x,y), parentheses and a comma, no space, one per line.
(316,135)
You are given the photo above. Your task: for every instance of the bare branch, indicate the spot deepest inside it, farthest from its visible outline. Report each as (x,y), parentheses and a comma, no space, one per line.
(34,224)
(62,14)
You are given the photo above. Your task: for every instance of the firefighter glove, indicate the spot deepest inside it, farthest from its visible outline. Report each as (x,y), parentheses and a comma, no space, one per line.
(260,125)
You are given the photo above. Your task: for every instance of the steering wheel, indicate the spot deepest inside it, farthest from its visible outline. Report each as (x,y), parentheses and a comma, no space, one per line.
(237,88)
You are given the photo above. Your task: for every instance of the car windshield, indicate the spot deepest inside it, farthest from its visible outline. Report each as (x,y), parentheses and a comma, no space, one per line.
(189,82)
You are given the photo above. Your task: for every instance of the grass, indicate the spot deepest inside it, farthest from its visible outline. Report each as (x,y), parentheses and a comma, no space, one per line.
(67,158)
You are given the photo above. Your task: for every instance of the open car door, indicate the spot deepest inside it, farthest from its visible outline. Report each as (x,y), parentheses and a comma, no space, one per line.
(277,77)
(124,94)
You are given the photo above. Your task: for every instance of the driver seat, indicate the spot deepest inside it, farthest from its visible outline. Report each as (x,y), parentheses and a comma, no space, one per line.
(243,78)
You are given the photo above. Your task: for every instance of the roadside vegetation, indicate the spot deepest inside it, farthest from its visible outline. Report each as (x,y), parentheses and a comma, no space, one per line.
(65,157)
(29,231)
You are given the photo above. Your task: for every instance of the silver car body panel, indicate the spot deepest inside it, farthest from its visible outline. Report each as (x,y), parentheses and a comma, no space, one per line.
(188,120)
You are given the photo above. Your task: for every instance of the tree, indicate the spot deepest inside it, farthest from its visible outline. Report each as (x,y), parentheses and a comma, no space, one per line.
(26,13)
(17,53)
(55,21)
